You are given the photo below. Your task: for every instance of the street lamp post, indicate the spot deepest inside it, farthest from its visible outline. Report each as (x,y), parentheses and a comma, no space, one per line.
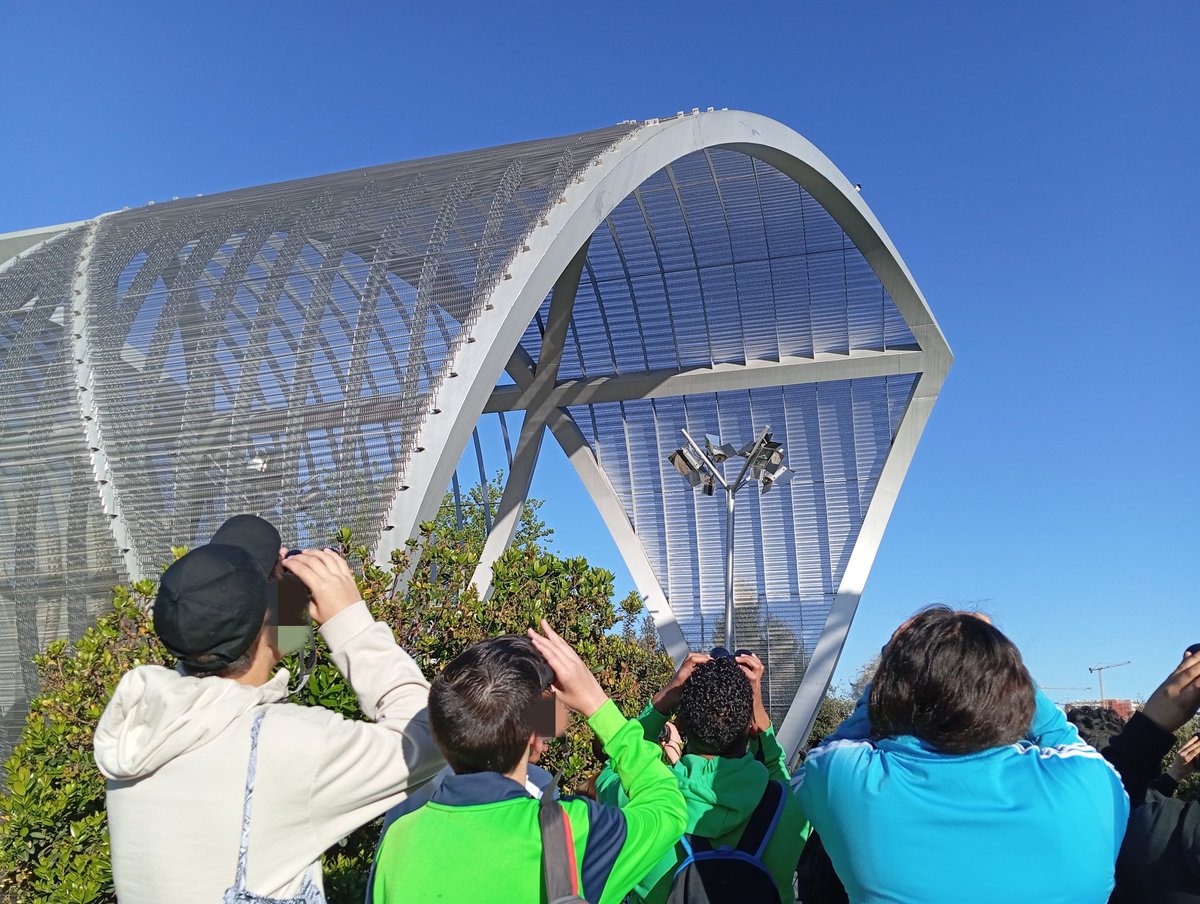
(698,466)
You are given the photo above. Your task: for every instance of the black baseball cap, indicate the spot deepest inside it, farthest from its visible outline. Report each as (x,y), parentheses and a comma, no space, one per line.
(253,534)
(212,602)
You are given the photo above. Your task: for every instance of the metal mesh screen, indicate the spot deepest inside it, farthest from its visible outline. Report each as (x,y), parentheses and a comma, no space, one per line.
(271,350)
(720,258)
(57,558)
(275,349)
(791,545)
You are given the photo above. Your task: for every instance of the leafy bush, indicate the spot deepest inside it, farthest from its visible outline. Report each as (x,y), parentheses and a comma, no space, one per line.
(53,834)
(835,708)
(1189,788)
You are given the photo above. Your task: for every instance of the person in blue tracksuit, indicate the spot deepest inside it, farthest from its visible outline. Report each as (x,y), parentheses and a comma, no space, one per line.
(955,779)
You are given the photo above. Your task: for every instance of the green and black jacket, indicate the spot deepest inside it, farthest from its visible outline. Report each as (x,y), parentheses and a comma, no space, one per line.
(720,794)
(478,839)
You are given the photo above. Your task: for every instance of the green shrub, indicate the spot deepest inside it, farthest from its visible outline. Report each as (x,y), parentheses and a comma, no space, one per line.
(53,834)
(835,708)
(1189,788)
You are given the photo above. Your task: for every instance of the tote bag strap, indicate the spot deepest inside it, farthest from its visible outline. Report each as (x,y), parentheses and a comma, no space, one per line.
(248,799)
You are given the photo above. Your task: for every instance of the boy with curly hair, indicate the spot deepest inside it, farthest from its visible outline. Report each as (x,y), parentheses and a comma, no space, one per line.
(731,756)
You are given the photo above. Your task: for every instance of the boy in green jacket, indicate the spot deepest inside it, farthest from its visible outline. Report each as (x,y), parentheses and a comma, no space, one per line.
(731,755)
(478,837)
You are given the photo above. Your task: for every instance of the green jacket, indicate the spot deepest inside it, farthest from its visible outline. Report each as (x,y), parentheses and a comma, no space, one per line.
(720,794)
(478,840)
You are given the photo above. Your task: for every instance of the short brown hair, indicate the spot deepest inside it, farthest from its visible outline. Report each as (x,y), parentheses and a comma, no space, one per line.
(479,705)
(954,681)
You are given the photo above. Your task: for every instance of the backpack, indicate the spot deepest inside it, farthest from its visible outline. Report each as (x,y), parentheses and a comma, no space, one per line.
(731,875)
(558,849)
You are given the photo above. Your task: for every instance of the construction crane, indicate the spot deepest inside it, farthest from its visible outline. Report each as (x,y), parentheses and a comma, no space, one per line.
(1099,670)
(1048,687)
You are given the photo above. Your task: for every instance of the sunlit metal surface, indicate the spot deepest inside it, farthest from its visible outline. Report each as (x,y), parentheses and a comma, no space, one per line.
(321,352)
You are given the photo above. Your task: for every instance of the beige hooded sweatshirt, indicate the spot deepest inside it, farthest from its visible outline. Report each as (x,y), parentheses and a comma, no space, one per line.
(175,749)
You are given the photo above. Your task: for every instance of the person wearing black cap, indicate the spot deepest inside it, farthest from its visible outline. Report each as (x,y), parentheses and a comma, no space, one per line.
(216,785)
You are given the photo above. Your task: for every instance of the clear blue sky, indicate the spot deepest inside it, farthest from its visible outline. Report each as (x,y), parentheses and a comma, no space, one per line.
(1036,164)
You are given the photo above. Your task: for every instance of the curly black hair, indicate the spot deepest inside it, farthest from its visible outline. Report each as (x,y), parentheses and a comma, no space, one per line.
(716,705)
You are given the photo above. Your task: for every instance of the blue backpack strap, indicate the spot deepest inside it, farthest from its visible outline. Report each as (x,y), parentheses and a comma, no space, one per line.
(763,820)
(689,854)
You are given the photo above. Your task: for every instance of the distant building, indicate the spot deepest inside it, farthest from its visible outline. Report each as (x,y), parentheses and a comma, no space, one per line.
(1123,708)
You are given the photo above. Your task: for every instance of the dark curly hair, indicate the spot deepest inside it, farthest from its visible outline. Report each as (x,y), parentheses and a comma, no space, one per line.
(1095,724)
(953,681)
(716,705)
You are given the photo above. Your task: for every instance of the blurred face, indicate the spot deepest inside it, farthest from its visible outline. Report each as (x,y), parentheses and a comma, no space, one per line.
(548,716)
(290,619)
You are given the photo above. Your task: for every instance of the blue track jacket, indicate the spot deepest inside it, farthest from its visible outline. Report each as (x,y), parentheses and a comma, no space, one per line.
(1039,820)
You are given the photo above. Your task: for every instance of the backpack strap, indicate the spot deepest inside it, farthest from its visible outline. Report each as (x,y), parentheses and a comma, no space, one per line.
(691,845)
(762,821)
(558,846)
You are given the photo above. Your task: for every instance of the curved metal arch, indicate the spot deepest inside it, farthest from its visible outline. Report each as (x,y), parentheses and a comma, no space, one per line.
(89,410)
(547,251)
(77,324)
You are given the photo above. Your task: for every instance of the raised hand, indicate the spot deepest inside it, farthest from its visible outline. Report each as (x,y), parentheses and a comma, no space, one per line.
(1176,699)
(672,745)
(666,701)
(574,682)
(1186,761)
(329,580)
(277,571)
(753,668)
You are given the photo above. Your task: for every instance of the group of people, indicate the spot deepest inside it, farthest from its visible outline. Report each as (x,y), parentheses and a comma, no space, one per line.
(954,780)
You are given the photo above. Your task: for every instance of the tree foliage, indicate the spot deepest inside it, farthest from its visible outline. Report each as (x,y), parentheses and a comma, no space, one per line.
(1189,788)
(833,711)
(53,835)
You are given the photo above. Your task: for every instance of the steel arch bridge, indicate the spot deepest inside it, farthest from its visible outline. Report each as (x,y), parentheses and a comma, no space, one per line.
(320,351)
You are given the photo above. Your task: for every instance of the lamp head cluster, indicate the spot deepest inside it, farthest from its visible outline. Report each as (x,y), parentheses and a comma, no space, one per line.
(692,470)
(763,463)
